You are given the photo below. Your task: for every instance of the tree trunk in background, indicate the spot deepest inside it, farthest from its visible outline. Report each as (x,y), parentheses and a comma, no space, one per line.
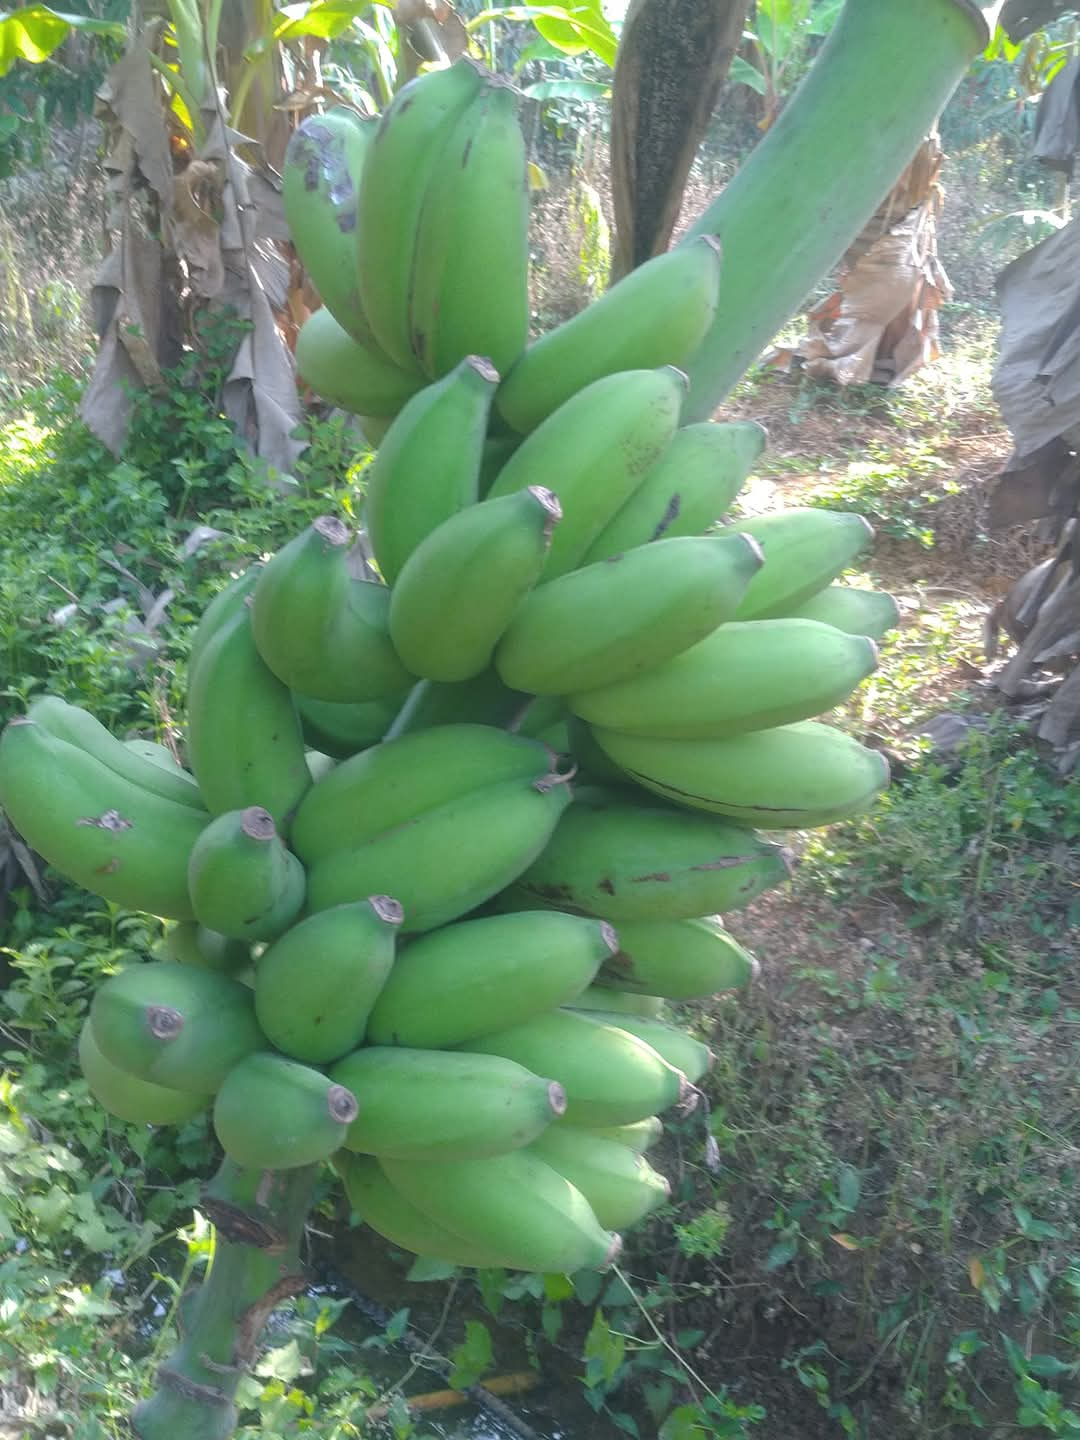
(672,60)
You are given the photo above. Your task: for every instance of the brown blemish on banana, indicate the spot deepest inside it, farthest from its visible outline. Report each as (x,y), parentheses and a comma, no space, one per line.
(110,820)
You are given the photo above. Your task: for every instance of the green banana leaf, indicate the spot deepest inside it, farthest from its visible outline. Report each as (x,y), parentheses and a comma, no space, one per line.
(34,33)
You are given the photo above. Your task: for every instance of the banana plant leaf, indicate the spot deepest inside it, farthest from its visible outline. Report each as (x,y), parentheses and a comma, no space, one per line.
(34,33)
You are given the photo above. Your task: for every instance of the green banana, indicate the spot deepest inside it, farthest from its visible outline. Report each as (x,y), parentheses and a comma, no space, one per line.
(449,860)
(483,700)
(129,1098)
(157,753)
(78,727)
(343,730)
(244,738)
(319,765)
(656,315)
(859,612)
(320,631)
(745,676)
(232,600)
(804,550)
(514,1204)
(243,882)
(273,1114)
(190,943)
(409,149)
(598,997)
(396,1219)
(497,450)
(483,975)
(173,1025)
(320,182)
(109,835)
(679,959)
(435,1105)
(792,777)
(389,784)
(610,1076)
(353,376)
(462,586)
(618,1182)
(675,1046)
(642,1135)
(427,468)
(469,292)
(615,619)
(315,986)
(594,452)
(687,490)
(620,857)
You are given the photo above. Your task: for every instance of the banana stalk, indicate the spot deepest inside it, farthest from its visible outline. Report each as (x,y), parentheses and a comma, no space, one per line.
(259,1218)
(810,186)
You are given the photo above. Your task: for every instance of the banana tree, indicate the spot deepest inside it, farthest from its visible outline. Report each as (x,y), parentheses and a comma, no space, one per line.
(797,204)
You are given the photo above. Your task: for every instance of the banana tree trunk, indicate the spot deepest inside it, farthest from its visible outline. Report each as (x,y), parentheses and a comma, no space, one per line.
(259,1219)
(813,182)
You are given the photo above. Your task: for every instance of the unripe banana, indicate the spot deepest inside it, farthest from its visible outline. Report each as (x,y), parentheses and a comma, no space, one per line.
(859,612)
(315,986)
(447,861)
(656,315)
(190,943)
(594,452)
(244,737)
(229,602)
(642,1135)
(687,490)
(355,377)
(344,730)
(394,782)
(109,835)
(618,1182)
(243,882)
(273,1114)
(401,1222)
(408,150)
(174,1025)
(613,620)
(678,1048)
(78,727)
(470,282)
(624,858)
(129,1098)
(598,997)
(462,586)
(436,1105)
(320,184)
(745,676)
(679,959)
(804,550)
(483,700)
(428,466)
(512,1204)
(155,752)
(793,777)
(609,1075)
(320,631)
(483,975)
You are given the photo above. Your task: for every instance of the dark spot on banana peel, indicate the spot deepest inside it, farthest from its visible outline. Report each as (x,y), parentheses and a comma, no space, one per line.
(727,862)
(670,515)
(110,867)
(660,877)
(111,820)
(607,886)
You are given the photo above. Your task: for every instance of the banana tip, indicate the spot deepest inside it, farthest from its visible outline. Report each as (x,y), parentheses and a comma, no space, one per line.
(482,366)
(614,1250)
(258,824)
(556,1099)
(341,1104)
(164,1022)
(389,910)
(610,937)
(334,531)
(756,547)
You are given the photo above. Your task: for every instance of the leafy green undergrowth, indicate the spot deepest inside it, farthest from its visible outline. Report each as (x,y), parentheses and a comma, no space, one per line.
(108,561)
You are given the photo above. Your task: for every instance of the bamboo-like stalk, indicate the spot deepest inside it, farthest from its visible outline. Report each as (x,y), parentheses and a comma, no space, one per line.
(813,182)
(259,1219)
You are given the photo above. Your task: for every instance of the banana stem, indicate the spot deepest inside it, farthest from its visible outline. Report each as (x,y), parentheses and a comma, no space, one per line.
(259,1219)
(813,182)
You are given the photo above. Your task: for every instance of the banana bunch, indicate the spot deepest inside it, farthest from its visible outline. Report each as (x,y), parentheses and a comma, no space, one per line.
(452,838)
